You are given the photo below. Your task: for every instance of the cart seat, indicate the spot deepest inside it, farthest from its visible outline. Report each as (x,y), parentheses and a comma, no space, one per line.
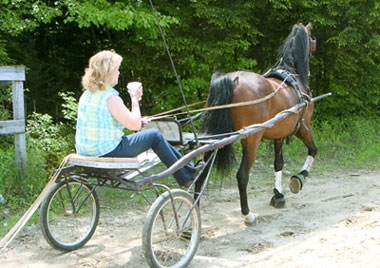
(114,162)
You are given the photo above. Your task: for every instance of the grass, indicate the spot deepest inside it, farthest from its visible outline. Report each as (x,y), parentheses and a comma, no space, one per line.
(347,144)
(343,145)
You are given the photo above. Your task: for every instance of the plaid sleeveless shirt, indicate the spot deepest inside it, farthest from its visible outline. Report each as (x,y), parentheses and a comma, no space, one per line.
(98,132)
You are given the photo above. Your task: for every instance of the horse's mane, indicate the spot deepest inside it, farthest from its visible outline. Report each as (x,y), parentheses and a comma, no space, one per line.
(293,55)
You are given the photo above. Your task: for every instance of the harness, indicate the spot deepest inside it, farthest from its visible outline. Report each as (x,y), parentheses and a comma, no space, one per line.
(291,80)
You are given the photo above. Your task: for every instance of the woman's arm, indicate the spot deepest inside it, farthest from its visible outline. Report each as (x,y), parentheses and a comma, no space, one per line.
(129,119)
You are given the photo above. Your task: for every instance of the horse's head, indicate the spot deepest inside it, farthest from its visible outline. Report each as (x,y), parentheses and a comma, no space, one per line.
(294,53)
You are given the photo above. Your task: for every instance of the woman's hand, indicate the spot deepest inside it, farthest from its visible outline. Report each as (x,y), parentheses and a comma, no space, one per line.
(144,121)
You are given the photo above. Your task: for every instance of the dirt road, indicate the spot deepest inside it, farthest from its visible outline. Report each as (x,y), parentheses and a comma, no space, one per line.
(333,222)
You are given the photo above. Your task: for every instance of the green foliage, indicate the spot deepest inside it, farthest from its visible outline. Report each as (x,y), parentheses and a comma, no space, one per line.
(42,130)
(346,61)
(5,114)
(203,36)
(5,102)
(349,144)
(53,31)
(70,107)
(55,140)
(47,144)
(4,57)
(19,194)
(354,142)
(21,16)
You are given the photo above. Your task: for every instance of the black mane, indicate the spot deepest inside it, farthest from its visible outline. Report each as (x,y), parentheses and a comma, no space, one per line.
(293,55)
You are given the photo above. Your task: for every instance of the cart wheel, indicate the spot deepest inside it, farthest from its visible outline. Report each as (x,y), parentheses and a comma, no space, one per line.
(69,215)
(164,243)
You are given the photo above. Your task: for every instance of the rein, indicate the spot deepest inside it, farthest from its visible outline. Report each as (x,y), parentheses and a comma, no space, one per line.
(176,109)
(217,107)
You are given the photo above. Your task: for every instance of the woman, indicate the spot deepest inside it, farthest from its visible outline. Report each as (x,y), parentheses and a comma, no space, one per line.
(102,116)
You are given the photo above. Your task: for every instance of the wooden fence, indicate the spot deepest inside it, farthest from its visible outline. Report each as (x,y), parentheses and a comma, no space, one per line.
(15,75)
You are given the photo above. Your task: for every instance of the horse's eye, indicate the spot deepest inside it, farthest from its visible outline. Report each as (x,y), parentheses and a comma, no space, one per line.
(313,44)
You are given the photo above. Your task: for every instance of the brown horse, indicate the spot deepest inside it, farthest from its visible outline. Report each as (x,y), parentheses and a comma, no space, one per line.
(288,82)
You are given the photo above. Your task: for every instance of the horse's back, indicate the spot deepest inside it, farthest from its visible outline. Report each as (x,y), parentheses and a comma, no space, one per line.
(253,86)
(253,82)
(249,86)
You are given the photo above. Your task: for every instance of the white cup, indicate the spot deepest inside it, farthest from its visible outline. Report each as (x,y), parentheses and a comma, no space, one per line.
(133,86)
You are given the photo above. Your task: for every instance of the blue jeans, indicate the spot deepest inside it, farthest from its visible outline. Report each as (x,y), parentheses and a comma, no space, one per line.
(134,144)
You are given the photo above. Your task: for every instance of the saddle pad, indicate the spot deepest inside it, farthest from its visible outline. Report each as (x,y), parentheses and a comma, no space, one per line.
(111,162)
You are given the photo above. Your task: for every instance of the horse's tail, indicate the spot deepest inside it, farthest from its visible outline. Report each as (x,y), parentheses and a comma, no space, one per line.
(219,121)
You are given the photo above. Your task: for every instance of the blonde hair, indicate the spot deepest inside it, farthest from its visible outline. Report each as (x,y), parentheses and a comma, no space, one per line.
(100,67)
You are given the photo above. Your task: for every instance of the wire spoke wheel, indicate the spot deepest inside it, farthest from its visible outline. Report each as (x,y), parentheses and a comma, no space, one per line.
(69,215)
(170,241)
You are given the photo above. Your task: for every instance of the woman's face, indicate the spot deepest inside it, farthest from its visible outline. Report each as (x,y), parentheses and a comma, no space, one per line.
(114,78)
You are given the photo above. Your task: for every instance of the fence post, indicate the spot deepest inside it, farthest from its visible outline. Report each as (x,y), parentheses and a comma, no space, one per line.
(16,75)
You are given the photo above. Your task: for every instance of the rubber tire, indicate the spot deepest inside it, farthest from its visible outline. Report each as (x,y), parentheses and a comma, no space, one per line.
(154,212)
(48,233)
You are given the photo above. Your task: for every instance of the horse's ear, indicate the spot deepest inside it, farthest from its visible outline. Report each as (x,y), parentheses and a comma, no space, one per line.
(236,80)
(309,26)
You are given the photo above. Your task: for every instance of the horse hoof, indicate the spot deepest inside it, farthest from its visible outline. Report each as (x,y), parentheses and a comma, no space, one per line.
(278,200)
(296,183)
(250,219)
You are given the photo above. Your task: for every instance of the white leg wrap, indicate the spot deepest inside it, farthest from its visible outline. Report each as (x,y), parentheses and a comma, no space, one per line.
(278,181)
(308,163)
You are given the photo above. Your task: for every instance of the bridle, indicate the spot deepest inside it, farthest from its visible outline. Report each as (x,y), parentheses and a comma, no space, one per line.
(312,40)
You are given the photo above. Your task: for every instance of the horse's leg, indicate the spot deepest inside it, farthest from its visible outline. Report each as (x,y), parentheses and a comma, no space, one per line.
(248,158)
(298,180)
(278,200)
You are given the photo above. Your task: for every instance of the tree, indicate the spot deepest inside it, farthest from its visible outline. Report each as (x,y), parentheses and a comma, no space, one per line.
(54,40)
